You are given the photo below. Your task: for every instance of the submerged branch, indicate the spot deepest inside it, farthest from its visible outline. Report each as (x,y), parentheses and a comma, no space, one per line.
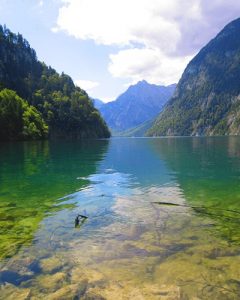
(204,210)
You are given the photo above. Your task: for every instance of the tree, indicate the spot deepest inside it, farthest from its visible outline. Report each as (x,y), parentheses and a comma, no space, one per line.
(19,120)
(65,108)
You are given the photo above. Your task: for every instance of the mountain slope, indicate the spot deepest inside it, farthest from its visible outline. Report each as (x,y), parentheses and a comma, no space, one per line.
(97,103)
(138,131)
(207,98)
(66,110)
(140,103)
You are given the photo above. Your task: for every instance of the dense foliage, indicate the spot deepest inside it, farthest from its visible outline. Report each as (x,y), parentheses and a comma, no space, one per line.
(65,108)
(18,119)
(206,101)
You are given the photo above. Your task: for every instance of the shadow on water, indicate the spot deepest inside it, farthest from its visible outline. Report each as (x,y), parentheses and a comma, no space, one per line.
(34,176)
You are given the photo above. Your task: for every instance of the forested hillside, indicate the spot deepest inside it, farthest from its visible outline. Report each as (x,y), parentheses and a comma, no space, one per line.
(207,98)
(50,102)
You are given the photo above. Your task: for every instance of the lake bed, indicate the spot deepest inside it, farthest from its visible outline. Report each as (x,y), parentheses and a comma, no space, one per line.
(163,219)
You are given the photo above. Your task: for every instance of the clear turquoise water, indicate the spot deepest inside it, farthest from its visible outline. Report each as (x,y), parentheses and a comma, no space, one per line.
(134,244)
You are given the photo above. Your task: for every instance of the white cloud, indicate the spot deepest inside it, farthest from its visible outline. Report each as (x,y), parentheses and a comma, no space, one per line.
(149,64)
(168,33)
(86,85)
(122,22)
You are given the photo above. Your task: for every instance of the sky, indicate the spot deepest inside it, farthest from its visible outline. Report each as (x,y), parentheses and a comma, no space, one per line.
(107,45)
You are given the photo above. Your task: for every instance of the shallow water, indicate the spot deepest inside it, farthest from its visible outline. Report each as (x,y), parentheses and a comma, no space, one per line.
(134,244)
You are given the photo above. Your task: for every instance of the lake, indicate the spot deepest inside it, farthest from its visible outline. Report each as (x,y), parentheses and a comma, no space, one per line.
(163,219)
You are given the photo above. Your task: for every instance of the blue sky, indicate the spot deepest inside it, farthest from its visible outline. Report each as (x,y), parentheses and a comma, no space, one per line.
(106,45)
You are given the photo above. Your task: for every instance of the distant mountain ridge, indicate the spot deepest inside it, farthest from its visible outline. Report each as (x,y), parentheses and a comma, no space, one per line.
(140,103)
(207,98)
(97,103)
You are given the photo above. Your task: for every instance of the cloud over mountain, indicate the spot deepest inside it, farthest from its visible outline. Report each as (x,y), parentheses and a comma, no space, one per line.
(147,31)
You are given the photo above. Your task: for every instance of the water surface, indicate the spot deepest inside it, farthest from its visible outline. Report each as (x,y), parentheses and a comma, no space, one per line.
(163,219)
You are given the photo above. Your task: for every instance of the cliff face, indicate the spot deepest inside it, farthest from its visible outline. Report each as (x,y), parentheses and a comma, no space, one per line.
(207,97)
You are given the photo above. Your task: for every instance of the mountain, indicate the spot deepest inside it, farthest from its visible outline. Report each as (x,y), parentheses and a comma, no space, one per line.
(36,101)
(138,131)
(97,103)
(207,98)
(140,103)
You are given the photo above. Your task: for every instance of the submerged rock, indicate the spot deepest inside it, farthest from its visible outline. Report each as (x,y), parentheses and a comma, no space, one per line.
(123,291)
(87,276)
(51,264)
(52,282)
(11,292)
(92,296)
(165,292)
(69,292)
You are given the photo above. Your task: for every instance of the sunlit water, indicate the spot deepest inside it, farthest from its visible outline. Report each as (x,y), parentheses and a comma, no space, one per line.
(163,219)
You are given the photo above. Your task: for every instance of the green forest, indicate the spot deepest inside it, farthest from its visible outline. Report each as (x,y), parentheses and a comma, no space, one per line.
(36,102)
